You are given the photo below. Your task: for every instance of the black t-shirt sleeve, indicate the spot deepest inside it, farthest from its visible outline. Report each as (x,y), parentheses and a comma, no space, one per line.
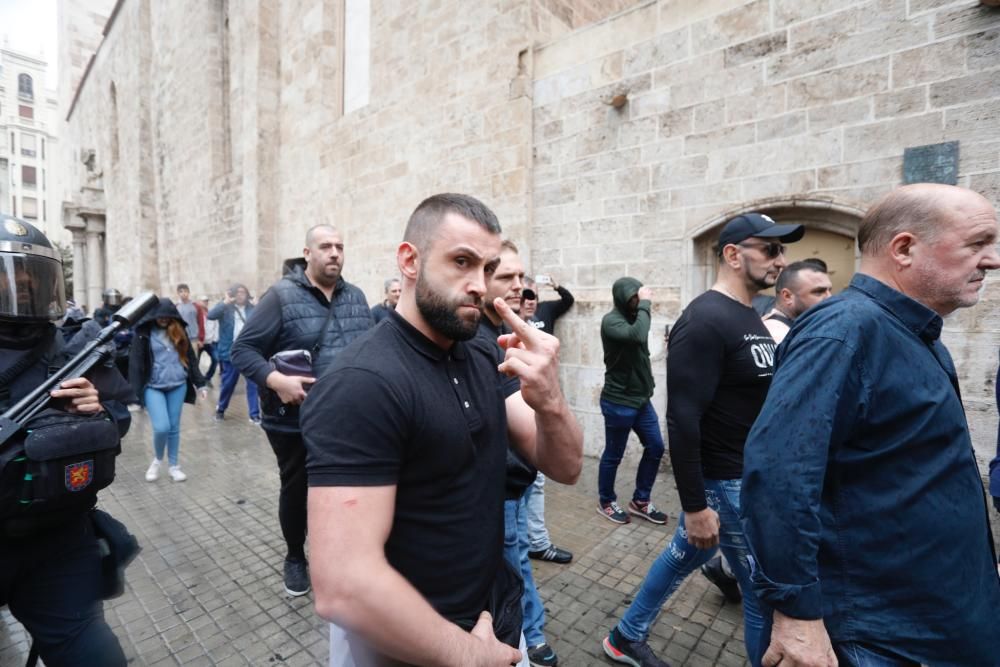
(354,428)
(696,355)
(550,311)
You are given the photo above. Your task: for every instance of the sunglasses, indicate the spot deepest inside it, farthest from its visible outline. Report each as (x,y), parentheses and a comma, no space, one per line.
(772,250)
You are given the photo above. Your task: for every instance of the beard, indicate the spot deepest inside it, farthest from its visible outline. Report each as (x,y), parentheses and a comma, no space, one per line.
(441,313)
(762,282)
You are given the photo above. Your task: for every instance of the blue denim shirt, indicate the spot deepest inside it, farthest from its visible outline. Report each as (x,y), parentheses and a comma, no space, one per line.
(995,463)
(862,502)
(168,371)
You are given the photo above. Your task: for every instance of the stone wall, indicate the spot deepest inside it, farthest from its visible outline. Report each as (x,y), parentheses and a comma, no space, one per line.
(749,104)
(232,140)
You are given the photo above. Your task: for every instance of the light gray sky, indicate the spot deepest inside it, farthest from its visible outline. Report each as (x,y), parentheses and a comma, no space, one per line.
(30,26)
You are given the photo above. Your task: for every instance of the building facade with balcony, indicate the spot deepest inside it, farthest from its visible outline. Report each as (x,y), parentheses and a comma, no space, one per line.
(28,138)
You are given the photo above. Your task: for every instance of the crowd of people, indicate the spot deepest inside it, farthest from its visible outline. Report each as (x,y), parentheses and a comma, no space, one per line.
(817,441)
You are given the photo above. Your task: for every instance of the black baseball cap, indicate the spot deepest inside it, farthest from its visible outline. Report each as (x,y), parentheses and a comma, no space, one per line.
(528,293)
(747,225)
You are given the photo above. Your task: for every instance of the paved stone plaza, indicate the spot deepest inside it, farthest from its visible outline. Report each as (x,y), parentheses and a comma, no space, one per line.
(206,589)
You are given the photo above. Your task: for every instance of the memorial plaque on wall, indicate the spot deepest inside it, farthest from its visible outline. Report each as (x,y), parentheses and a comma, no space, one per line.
(934,163)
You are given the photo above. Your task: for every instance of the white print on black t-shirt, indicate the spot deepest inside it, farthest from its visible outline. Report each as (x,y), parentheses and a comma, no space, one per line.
(756,337)
(763,354)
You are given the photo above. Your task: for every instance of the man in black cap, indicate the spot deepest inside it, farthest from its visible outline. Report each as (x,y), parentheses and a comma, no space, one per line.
(723,360)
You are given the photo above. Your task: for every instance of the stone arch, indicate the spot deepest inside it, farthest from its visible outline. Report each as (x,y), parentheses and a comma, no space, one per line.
(831,224)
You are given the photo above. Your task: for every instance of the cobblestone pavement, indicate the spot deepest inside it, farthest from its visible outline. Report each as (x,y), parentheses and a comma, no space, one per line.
(206,589)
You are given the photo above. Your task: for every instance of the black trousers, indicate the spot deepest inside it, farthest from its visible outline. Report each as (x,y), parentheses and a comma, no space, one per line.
(52,585)
(291,454)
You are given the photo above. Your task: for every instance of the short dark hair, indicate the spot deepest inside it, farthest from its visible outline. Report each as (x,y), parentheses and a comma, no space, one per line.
(431,211)
(788,277)
(818,263)
(905,209)
(183,286)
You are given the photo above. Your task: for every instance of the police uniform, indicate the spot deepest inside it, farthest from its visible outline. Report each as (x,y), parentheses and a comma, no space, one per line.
(50,562)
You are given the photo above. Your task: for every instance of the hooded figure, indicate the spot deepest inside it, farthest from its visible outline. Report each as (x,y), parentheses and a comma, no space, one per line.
(141,362)
(628,375)
(163,370)
(625,404)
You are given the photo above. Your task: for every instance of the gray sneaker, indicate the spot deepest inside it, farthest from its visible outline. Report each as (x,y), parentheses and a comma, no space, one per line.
(296,577)
(627,652)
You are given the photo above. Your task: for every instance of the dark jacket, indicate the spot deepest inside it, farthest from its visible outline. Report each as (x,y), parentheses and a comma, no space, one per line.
(995,463)
(291,316)
(628,375)
(140,365)
(43,350)
(380,311)
(226,314)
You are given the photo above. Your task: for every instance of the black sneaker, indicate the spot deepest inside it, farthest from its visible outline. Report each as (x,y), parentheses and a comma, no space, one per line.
(714,572)
(296,577)
(542,656)
(612,512)
(647,511)
(637,654)
(553,554)
(219,416)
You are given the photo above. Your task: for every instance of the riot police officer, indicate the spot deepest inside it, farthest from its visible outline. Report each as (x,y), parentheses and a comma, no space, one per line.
(50,562)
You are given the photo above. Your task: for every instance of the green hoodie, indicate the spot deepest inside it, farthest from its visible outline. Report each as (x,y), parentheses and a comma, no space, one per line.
(628,375)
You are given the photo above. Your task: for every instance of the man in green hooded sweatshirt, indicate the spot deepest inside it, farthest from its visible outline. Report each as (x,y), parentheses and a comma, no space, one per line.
(625,404)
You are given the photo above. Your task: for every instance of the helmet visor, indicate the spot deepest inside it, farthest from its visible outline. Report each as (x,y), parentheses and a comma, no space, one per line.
(31,287)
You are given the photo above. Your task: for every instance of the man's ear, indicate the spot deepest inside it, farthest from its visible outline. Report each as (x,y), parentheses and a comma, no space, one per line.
(408,260)
(731,256)
(901,248)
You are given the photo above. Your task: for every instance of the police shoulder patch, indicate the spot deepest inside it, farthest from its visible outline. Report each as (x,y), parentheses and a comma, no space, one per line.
(79,475)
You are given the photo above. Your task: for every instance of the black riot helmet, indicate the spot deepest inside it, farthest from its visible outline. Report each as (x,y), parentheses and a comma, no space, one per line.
(112,298)
(32,288)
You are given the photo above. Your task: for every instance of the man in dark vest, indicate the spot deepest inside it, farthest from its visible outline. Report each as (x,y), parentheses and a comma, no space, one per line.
(312,308)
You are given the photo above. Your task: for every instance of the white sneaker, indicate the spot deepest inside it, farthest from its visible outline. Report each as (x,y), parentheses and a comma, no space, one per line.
(153,472)
(177,474)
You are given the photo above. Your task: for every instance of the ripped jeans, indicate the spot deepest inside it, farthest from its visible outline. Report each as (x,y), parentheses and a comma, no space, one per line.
(681,558)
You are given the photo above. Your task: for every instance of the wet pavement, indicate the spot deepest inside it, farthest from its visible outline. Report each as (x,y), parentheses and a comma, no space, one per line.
(207,590)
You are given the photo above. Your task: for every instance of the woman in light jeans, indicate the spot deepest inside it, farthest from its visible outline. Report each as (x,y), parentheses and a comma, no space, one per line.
(163,370)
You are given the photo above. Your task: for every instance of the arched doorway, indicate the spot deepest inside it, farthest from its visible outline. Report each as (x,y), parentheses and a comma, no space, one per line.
(831,230)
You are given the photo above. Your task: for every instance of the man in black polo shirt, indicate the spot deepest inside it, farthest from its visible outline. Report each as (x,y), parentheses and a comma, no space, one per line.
(407,479)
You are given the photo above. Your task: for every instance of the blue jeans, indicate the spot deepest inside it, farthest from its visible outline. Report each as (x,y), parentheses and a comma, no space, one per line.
(534,509)
(230,376)
(164,408)
(852,654)
(619,421)
(681,558)
(515,550)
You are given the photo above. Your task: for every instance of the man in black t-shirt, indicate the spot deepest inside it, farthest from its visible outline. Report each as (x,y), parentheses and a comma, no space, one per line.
(722,360)
(543,314)
(407,475)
